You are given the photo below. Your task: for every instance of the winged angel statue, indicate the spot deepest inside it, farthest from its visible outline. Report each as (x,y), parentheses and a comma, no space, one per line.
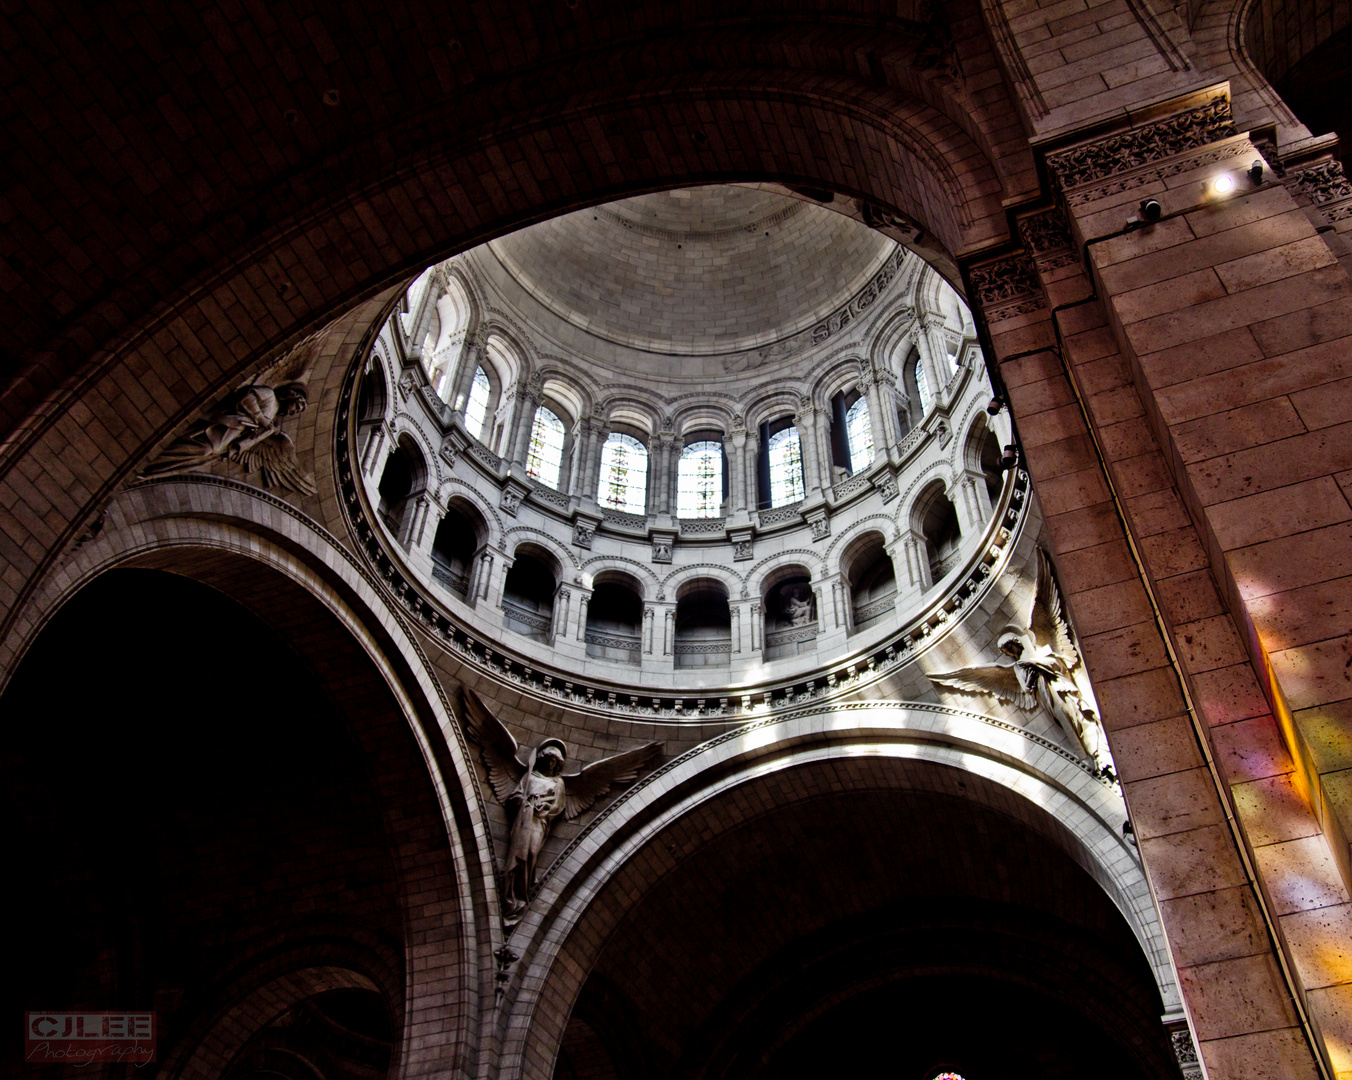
(246,428)
(533,787)
(1043,669)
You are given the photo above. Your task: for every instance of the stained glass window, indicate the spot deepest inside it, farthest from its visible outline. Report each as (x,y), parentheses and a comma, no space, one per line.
(476,409)
(545,455)
(860,431)
(624,474)
(699,480)
(946,1076)
(922,387)
(786,468)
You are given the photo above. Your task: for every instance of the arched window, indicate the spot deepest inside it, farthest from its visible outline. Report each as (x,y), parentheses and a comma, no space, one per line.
(922,387)
(786,468)
(476,409)
(624,474)
(699,480)
(545,455)
(860,431)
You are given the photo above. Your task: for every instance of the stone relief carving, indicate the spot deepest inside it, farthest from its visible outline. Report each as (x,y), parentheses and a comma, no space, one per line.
(1142,146)
(245,428)
(1042,669)
(1322,183)
(1048,239)
(531,784)
(583,533)
(1007,288)
(661,551)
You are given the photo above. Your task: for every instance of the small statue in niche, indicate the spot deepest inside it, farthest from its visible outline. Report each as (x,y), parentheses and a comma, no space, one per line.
(798,606)
(531,784)
(1043,669)
(246,428)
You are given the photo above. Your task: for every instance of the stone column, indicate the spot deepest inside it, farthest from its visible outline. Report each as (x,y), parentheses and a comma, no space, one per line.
(483,577)
(877,419)
(976,502)
(915,553)
(666,444)
(933,326)
(649,614)
(806,422)
(737,469)
(371,454)
(669,633)
(748,464)
(757,628)
(522,420)
(735,627)
(929,363)
(562,596)
(464,375)
(583,602)
(414,524)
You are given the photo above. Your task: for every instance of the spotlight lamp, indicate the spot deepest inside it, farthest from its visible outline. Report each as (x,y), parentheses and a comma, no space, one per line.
(1256,173)
(1151,210)
(994,406)
(1223,184)
(1010,457)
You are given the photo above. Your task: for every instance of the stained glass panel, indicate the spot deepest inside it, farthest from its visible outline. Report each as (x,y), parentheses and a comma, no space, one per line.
(860,430)
(699,480)
(624,474)
(544,457)
(922,387)
(476,409)
(786,468)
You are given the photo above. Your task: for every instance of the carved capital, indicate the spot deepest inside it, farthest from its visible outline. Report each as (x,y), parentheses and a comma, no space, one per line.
(1007,287)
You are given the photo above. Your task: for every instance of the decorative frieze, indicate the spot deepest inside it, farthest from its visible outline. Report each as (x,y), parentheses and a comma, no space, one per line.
(1047,239)
(1097,160)
(1326,185)
(1006,288)
(861,301)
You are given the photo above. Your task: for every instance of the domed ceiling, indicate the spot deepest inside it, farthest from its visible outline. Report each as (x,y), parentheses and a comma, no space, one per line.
(697,271)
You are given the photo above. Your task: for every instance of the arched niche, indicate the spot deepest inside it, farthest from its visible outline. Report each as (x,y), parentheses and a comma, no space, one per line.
(402,480)
(871,578)
(790,612)
(528,593)
(703,633)
(460,534)
(615,618)
(936,519)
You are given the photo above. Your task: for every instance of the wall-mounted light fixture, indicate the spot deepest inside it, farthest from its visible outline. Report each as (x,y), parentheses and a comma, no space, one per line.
(1151,210)
(1223,184)
(1010,457)
(994,406)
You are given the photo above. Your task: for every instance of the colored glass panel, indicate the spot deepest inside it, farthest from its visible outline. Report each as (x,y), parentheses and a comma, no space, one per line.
(544,457)
(786,468)
(699,480)
(624,474)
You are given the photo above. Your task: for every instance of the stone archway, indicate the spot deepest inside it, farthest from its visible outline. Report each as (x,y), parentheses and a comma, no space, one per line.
(657,828)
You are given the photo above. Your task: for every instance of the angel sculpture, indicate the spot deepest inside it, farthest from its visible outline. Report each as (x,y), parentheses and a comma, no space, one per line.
(246,429)
(533,787)
(1043,669)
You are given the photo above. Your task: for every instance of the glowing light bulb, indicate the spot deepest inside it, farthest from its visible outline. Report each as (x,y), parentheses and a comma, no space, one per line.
(1223,184)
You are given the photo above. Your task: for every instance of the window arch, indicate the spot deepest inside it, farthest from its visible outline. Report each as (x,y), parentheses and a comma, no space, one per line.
(786,467)
(859,428)
(544,457)
(624,474)
(476,409)
(699,480)
(922,387)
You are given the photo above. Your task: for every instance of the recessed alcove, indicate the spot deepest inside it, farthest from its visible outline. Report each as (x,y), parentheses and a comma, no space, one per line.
(942,532)
(790,614)
(872,580)
(461,531)
(528,593)
(403,477)
(703,635)
(615,619)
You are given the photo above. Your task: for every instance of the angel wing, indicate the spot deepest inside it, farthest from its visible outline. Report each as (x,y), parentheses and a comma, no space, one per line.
(501,754)
(275,457)
(1047,623)
(296,365)
(998,680)
(581,789)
